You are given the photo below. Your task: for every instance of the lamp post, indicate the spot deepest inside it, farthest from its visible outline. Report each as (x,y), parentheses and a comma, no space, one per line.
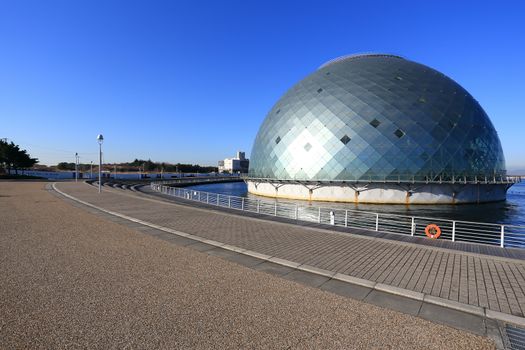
(76,167)
(100,139)
(91,175)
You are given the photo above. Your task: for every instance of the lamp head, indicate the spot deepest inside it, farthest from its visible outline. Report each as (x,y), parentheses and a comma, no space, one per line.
(100,138)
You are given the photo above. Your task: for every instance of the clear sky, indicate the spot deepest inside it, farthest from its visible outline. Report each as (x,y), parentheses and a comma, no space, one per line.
(191,81)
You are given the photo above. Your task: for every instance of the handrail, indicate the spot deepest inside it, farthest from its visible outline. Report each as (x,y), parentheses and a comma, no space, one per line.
(184,180)
(408,179)
(455,230)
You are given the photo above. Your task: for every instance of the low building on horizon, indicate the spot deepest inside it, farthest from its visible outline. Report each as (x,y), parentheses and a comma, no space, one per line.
(237,164)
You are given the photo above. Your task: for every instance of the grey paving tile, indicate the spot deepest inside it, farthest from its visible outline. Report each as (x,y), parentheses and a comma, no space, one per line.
(165,236)
(244,260)
(306,278)
(495,332)
(146,229)
(457,319)
(346,289)
(273,268)
(201,247)
(223,253)
(178,240)
(394,302)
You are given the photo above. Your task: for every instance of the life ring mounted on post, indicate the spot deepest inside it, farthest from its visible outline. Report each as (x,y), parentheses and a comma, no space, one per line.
(433,231)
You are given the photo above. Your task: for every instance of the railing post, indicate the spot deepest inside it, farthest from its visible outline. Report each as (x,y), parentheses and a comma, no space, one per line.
(258,209)
(453,231)
(275,211)
(296,211)
(229,201)
(242,204)
(377,222)
(319,216)
(413,227)
(346,218)
(502,239)
(218,199)
(207,197)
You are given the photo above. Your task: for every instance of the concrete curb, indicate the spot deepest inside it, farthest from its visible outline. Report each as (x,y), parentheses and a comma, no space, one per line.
(399,291)
(354,280)
(500,316)
(316,270)
(470,309)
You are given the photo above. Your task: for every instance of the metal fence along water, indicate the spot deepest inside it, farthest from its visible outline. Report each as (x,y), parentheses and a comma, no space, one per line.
(454,230)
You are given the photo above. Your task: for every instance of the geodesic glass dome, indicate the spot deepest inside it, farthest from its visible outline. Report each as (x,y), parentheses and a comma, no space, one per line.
(376,117)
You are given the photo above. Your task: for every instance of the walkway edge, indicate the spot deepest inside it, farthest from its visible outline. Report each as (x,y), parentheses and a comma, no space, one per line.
(471,309)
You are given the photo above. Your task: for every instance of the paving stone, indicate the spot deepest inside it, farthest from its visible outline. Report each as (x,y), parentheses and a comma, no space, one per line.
(201,247)
(458,319)
(395,302)
(306,278)
(245,260)
(165,236)
(346,289)
(273,268)
(223,253)
(178,240)
(146,229)
(495,332)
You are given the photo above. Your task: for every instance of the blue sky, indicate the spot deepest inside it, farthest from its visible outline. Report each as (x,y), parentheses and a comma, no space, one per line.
(191,81)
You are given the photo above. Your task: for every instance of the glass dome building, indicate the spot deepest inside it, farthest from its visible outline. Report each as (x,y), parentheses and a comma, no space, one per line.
(378,128)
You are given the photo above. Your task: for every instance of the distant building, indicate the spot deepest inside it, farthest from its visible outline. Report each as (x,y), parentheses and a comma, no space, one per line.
(233,165)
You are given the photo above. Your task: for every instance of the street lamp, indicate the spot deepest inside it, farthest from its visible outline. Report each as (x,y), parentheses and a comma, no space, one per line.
(100,139)
(76,167)
(91,175)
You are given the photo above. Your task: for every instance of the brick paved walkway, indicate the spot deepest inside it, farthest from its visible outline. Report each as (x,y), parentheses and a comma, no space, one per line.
(492,282)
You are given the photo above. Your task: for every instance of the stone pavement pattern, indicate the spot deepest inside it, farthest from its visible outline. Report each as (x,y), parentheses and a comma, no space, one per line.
(480,280)
(71,279)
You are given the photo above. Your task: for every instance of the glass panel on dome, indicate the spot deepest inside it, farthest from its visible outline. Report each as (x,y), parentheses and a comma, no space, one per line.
(375,123)
(345,139)
(308,147)
(399,133)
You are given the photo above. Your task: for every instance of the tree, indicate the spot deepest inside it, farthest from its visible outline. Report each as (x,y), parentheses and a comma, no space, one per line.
(12,157)
(66,166)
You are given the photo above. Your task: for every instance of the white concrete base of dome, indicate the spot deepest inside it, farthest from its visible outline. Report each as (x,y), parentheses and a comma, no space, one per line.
(383,193)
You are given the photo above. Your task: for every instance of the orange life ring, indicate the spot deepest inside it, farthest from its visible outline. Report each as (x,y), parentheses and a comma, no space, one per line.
(433,231)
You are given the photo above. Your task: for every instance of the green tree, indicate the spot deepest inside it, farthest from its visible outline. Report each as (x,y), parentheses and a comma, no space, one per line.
(66,166)
(12,157)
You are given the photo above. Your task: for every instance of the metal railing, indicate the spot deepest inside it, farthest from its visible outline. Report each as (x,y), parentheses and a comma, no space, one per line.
(454,230)
(409,179)
(198,179)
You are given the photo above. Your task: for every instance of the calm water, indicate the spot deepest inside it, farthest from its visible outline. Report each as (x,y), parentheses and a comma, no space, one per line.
(510,212)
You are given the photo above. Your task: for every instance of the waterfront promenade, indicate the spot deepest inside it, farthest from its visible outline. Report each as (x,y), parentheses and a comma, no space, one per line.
(75,277)
(483,281)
